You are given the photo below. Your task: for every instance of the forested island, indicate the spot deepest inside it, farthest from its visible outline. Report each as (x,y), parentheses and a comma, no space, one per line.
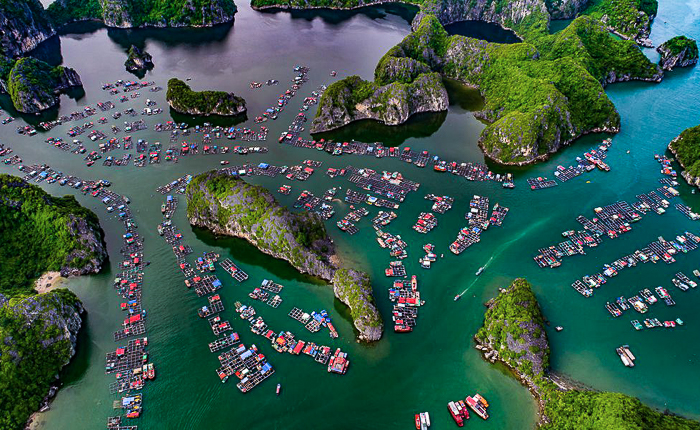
(679,51)
(33,85)
(138,61)
(514,334)
(539,95)
(686,148)
(227,205)
(184,100)
(143,13)
(40,233)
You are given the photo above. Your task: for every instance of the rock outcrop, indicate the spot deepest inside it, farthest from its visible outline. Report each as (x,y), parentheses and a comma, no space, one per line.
(23,26)
(629,19)
(686,148)
(355,290)
(392,104)
(679,51)
(142,13)
(539,96)
(229,206)
(34,86)
(566,9)
(182,99)
(39,336)
(138,60)
(89,257)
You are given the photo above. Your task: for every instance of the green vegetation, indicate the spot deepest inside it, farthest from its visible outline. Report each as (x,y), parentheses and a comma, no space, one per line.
(41,233)
(184,100)
(538,95)
(33,84)
(230,205)
(306,4)
(514,327)
(36,344)
(686,147)
(629,18)
(138,60)
(355,289)
(63,12)
(679,44)
(139,13)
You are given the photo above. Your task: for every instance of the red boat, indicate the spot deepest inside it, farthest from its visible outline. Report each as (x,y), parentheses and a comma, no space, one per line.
(456,413)
(417,422)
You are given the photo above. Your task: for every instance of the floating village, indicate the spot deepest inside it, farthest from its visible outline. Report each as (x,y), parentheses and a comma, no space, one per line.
(229,305)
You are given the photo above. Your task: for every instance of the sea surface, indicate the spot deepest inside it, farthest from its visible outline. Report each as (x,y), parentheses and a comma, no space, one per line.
(390,380)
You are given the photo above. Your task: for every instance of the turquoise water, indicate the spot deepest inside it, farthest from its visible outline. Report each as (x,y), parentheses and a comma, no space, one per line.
(402,374)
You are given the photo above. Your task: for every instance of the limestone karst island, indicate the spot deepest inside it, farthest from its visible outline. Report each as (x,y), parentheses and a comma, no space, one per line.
(349,214)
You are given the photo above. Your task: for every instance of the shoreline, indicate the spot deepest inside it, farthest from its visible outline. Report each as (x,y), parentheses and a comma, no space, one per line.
(49,281)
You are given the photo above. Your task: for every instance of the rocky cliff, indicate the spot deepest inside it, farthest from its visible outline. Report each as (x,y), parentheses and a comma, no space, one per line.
(539,96)
(629,19)
(39,336)
(229,206)
(144,13)
(686,148)
(34,86)
(138,60)
(353,99)
(23,26)
(565,9)
(355,290)
(45,233)
(679,51)
(182,99)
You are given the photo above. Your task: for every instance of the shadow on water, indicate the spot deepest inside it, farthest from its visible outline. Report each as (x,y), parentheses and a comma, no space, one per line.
(483,30)
(49,51)
(216,120)
(334,17)
(78,365)
(245,253)
(369,130)
(418,126)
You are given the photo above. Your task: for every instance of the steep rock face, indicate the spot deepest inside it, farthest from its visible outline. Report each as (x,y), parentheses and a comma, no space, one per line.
(315,4)
(182,99)
(178,13)
(629,19)
(92,252)
(39,335)
(680,51)
(686,148)
(138,60)
(508,14)
(23,25)
(566,9)
(391,104)
(34,86)
(232,207)
(355,290)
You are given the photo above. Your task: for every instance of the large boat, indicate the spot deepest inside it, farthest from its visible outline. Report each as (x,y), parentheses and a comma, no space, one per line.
(417,418)
(477,407)
(456,414)
(481,269)
(338,362)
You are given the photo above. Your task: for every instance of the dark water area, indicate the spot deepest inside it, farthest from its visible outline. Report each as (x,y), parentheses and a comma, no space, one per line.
(557,25)
(330,16)
(483,30)
(393,379)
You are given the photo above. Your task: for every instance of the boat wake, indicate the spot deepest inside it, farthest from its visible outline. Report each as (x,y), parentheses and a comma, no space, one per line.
(498,252)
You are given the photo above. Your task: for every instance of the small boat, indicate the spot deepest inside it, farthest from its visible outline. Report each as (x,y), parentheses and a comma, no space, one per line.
(481,269)
(558,328)
(417,418)
(427,418)
(279,388)
(457,297)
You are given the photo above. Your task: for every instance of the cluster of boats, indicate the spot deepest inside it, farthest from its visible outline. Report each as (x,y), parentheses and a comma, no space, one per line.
(626,355)
(460,413)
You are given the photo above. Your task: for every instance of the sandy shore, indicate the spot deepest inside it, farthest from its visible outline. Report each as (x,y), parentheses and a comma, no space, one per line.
(48,281)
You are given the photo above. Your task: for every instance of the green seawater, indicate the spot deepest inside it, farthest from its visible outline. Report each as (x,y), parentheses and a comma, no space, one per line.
(402,374)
